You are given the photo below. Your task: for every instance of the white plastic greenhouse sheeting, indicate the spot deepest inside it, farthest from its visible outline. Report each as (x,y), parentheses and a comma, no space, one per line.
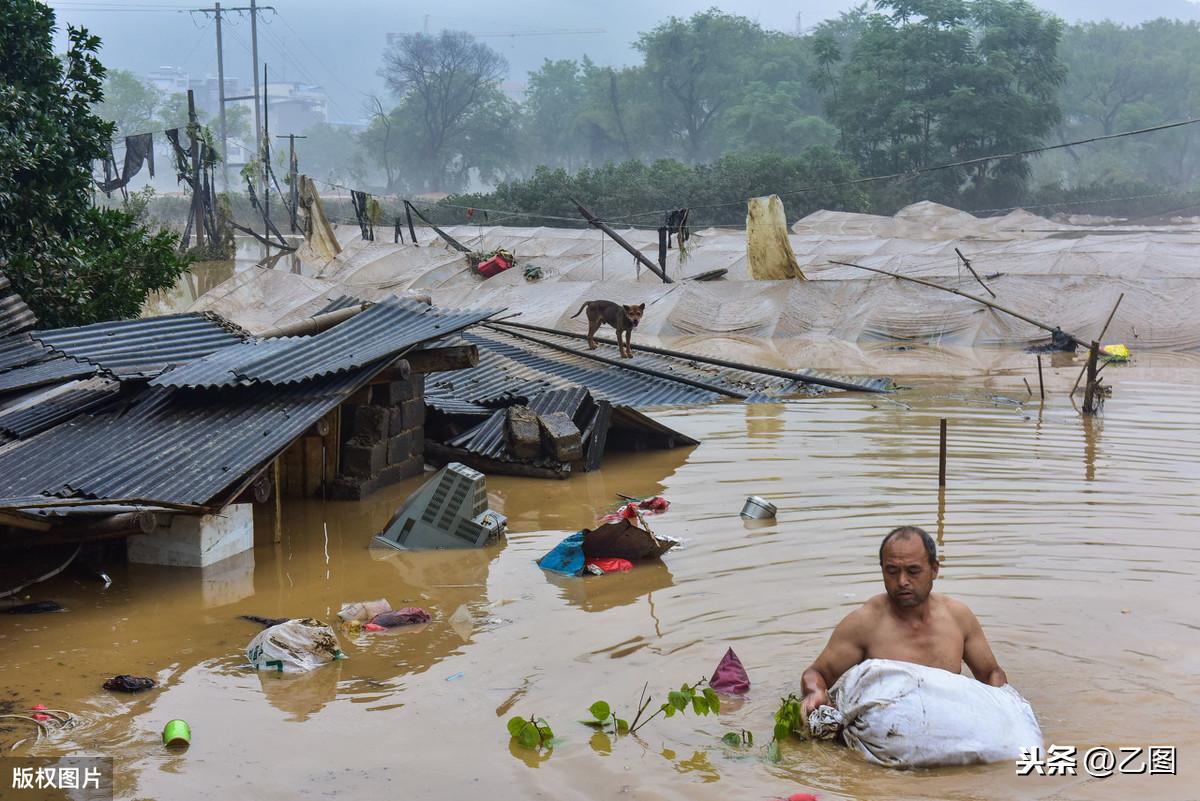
(1064,275)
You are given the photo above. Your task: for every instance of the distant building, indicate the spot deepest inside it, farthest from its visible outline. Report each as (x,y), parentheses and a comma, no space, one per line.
(169,80)
(296,107)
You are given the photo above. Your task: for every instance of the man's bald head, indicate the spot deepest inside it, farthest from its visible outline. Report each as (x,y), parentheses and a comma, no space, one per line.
(908,532)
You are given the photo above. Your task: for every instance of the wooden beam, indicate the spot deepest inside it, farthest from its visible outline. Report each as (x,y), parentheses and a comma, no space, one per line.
(454,243)
(620,240)
(436,360)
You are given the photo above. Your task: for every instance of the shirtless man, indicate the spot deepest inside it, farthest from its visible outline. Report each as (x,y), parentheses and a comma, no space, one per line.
(909,623)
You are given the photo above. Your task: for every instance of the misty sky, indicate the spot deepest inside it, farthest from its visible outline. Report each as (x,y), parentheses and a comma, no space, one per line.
(339,45)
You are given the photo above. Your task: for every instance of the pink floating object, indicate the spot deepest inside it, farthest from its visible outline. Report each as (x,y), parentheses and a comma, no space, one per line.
(374,627)
(730,678)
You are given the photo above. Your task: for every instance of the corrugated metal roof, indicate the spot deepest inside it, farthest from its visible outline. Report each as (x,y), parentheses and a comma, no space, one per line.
(445,401)
(217,369)
(47,372)
(14,314)
(168,445)
(487,438)
(19,350)
(39,416)
(142,348)
(340,302)
(509,366)
(385,329)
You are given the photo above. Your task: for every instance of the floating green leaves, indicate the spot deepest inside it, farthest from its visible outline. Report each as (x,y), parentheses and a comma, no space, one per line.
(532,733)
(789,722)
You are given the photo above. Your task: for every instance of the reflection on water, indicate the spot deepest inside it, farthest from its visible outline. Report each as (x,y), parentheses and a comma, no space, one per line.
(1074,543)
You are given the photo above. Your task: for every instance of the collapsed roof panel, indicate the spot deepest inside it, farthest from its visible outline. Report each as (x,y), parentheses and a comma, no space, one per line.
(142,348)
(385,329)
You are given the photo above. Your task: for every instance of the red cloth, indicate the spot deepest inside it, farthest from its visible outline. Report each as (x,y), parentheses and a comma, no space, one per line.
(801,797)
(656,504)
(611,564)
(730,677)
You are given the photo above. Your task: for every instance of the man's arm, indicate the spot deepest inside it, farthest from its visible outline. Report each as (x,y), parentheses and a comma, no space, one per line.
(977,653)
(844,651)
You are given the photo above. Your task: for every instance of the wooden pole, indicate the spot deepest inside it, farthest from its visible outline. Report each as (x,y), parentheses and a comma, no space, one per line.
(197,201)
(412,232)
(1091,402)
(1041,385)
(967,262)
(1100,338)
(942,455)
(664,242)
(1052,329)
(278,504)
(637,254)
(454,243)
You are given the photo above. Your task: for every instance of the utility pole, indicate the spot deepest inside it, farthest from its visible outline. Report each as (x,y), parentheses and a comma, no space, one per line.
(292,176)
(266,160)
(197,189)
(258,128)
(217,11)
(221,100)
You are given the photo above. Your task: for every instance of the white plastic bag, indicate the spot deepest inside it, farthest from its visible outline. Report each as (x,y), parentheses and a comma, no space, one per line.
(295,646)
(905,716)
(363,611)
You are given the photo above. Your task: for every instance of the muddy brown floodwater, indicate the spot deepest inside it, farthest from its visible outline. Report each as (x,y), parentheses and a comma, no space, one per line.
(1075,543)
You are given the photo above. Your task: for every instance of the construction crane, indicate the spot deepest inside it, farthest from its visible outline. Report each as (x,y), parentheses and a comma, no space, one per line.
(391,37)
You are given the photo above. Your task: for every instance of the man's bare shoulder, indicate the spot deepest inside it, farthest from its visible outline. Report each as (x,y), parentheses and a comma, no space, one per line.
(867,615)
(956,608)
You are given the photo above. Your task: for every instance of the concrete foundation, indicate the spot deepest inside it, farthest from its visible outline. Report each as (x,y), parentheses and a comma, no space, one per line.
(196,541)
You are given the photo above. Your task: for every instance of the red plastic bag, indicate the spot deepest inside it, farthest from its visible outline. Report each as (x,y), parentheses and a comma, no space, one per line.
(611,564)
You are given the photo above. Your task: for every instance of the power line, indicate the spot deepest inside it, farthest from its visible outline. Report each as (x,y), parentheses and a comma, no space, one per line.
(935,168)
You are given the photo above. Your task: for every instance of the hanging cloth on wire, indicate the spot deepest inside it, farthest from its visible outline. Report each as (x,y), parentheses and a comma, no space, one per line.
(677,224)
(181,156)
(139,150)
(361,202)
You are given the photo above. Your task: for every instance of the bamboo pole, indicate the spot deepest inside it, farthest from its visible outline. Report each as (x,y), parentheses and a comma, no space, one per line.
(637,254)
(832,383)
(1041,384)
(1090,400)
(454,243)
(1100,338)
(1052,329)
(967,262)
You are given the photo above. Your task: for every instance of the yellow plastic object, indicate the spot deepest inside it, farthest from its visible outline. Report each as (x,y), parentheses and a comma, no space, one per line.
(1115,353)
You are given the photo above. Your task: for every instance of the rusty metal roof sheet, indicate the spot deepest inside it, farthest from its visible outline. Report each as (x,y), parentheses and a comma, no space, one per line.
(168,445)
(386,329)
(142,348)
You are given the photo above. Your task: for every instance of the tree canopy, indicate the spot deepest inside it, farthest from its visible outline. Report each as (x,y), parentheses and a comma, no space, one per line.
(72,262)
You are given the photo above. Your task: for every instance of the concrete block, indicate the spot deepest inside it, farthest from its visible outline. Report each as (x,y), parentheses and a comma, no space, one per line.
(560,437)
(360,398)
(362,459)
(196,540)
(367,423)
(228,581)
(400,447)
(347,488)
(392,393)
(522,432)
(414,413)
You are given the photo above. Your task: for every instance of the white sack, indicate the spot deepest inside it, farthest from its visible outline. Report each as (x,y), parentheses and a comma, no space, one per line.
(295,646)
(906,716)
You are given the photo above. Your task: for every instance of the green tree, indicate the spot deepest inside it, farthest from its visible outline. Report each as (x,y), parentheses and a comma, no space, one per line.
(450,110)
(129,104)
(1123,78)
(697,68)
(173,111)
(73,263)
(946,80)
